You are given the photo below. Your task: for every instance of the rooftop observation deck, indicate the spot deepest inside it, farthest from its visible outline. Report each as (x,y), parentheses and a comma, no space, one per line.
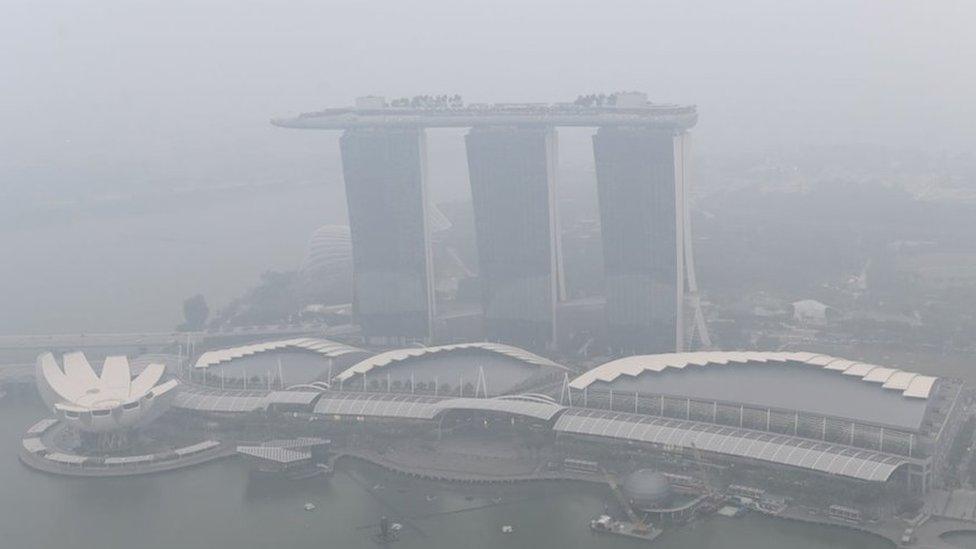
(664,116)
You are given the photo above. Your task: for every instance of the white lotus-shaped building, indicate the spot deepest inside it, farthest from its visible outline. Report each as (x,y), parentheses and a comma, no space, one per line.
(109,402)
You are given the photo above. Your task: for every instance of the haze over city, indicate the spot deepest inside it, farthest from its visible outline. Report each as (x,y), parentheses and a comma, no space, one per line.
(444,274)
(103,101)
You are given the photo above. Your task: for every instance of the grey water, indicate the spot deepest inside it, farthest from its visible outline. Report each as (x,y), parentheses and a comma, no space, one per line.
(963,540)
(127,268)
(216,506)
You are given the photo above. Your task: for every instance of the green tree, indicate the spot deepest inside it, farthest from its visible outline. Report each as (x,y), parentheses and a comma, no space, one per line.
(195,313)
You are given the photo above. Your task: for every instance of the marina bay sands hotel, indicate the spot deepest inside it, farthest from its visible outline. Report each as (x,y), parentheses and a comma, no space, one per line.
(641,151)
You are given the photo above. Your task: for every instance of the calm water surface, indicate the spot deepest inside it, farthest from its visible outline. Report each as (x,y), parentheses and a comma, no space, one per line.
(963,540)
(214,506)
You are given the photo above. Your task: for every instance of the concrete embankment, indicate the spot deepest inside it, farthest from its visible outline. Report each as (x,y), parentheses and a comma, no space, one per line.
(483,476)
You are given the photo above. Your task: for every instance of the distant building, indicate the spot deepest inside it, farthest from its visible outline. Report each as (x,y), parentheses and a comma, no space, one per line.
(327,265)
(628,100)
(641,152)
(368,102)
(811,311)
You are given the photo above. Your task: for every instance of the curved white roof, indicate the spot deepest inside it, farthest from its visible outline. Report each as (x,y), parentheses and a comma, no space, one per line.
(807,454)
(41,427)
(920,386)
(384,405)
(276,454)
(329,252)
(535,408)
(204,399)
(393,405)
(324,347)
(398,355)
(105,402)
(34,445)
(909,384)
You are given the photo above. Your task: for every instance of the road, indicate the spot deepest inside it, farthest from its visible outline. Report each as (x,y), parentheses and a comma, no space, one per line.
(159,339)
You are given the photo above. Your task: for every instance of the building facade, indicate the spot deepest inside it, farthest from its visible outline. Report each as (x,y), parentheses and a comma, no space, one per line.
(512,174)
(641,192)
(385,177)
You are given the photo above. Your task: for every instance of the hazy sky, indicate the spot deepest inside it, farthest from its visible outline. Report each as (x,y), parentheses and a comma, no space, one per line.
(100,96)
(112,86)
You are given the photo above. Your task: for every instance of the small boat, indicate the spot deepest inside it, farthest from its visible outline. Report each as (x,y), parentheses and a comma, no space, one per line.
(389,531)
(309,506)
(507,529)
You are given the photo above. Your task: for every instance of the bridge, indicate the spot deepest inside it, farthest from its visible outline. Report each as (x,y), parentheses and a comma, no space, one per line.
(11,374)
(81,341)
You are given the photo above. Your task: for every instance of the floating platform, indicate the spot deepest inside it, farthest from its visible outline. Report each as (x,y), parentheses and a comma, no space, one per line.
(294,459)
(731,511)
(606,525)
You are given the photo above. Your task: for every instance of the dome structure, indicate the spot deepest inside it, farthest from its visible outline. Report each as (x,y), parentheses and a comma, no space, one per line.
(329,249)
(328,263)
(288,362)
(111,401)
(493,368)
(646,487)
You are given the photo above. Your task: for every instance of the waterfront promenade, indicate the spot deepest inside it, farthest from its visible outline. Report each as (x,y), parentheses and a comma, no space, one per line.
(489,473)
(41,449)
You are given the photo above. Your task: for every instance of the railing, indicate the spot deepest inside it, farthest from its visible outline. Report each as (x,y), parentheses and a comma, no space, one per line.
(774,420)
